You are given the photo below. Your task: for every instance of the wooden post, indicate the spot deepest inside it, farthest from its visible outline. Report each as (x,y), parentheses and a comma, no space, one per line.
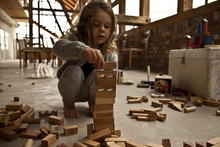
(184,5)
(144,8)
(121,11)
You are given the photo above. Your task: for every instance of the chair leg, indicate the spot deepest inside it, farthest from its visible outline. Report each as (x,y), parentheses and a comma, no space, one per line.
(35,58)
(130,59)
(24,59)
(20,60)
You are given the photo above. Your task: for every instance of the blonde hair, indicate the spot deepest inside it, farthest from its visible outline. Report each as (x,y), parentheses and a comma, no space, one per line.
(83,29)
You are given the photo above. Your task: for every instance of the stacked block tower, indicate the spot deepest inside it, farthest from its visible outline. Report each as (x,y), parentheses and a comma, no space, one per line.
(103,114)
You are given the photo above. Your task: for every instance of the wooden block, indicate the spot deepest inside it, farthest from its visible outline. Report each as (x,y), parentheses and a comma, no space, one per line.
(54,128)
(104,100)
(13,107)
(150,144)
(25,109)
(1,90)
(103,107)
(45,129)
(31,120)
(200,144)
(157,104)
(38,132)
(164,101)
(13,128)
(14,115)
(103,121)
(117,131)
(143,118)
(213,142)
(108,65)
(198,102)
(166,143)
(89,129)
(152,116)
(91,143)
(181,100)
(8,134)
(187,144)
(31,135)
(99,136)
(131,111)
(103,114)
(23,128)
(17,122)
(56,120)
(78,144)
(112,144)
(105,91)
(48,140)
(194,98)
(133,97)
(47,113)
(152,110)
(161,117)
(106,77)
(218,113)
(138,100)
(102,127)
(132,143)
(31,115)
(135,115)
(27,113)
(190,109)
(122,144)
(63,145)
(145,99)
(55,133)
(216,145)
(212,103)
(69,130)
(170,104)
(4,120)
(114,136)
(176,106)
(33,83)
(16,99)
(2,83)
(29,143)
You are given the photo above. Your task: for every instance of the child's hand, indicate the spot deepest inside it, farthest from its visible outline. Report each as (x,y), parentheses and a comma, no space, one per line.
(94,56)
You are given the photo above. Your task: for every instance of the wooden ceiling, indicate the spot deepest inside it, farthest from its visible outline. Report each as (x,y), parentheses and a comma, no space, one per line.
(69,4)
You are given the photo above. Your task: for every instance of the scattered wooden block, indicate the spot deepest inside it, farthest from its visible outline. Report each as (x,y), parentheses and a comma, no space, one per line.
(27,113)
(132,143)
(145,99)
(150,144)
(216,145)
(46,129)
(13,128)
(161,117)
(17,122)
(190,109)
(33,83)
(112,144)
(187,144)
(143,118)
(104,100)
(31,135)
(23,128)
(164,101)
(108,65)
(29,143)
(48,140)
(14,115)
(115,139)
(138,100)
(8,134)
(131,111)
(4,120)
(157,104)
(16,98)
(91,143)
(114,136)
(69,130)
(133,97)
(181,100)
(25,109)
(9,85)
(198,102)
(157,95)
(152,116)
(170,104)
(213,142)
(31,115)
(103,114)
(54,128)
(55,133)
(152,110)
(117,131)
(31,120)
(1,90)
(63,145)
(212,103)
(200,144)
(166,143)
(105,121)
(56,120)
(89,129)
(78,144)
(102,127)
(99,136)
(13,107)
(2,83)
(122,144)
(218,113)
(47,113)
(103,107)
(135,115)
(175,106)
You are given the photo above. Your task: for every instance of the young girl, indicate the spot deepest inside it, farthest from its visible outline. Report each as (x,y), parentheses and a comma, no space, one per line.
(91,41)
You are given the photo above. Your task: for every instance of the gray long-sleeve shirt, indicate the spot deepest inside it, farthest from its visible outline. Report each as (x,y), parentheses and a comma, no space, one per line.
(70,50)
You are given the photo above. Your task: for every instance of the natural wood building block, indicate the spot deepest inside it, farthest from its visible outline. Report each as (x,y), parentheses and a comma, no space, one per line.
(89,129)
(117,131)
(213,141)
(212,103)
(63,145)
(187,144)
(152,116)
(23,128)
(47,113)
(91,143)
(102,127)
(176,106)
(48,140)
(152,110)
(16,98)
(150,144)
(13,107)
(170,104)
(115,139)
(37,132)
(103,107)
(133,97)
(2,83)
(122,144)
(17,122)
(31,135)
(55,133)
(114,136)
(138,100)
(103,114)
(106,77)
(104,100)
(31,120)
(103,121)
(29,143)
(135,115)
(105,91)
(1,90)
(99,136)
(181,100)
(69,130)
(79,144)
(56,120)
(13,128)
(131,111)
(200,144)
(194,98)
(4,120)
(132,143)
(111,144)
(198,102)
(54,128)
(161,117)
(164,101)
(157,104)
(27,113)
(166,143)
(218,113)
(14,115)
(8,134)
(45,128)
(31,115)
(190,109)
(216,145)
(108,65)
(145,99)
(25,109)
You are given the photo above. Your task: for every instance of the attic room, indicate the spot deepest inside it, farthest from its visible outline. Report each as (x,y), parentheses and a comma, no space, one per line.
(144,73)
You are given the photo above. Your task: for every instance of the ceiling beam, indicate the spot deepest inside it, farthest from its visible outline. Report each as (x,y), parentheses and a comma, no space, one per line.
(132,20)
(55,10)
(115,3)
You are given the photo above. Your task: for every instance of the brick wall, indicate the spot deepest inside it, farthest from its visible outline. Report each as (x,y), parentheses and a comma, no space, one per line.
(171,36)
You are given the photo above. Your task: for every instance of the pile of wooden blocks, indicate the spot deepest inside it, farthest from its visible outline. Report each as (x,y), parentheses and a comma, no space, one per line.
(136,99)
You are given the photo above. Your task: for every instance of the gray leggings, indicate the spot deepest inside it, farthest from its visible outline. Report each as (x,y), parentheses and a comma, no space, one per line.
(74,87)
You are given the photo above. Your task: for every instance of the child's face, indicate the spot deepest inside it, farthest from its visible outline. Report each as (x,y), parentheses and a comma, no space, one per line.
(102,25)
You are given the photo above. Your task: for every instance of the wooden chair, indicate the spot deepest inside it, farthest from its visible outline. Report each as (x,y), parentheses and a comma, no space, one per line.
(139,51)
(24,51)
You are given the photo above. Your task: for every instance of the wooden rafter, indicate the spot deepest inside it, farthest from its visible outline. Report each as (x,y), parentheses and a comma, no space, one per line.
(65,12)
(132,20)
(115,3)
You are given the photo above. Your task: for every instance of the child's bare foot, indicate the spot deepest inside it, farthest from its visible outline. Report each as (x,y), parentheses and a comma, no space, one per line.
(70,112)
